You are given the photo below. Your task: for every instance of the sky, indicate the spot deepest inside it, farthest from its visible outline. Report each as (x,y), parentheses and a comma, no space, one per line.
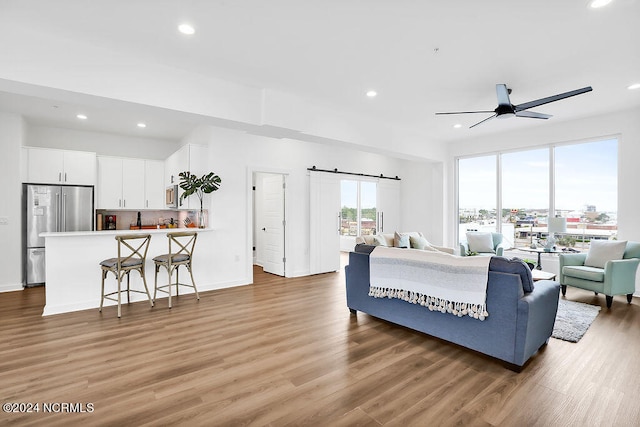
(349,189)
(584,174)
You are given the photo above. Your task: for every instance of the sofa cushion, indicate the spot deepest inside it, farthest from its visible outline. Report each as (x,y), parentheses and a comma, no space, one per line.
(480,241)
(601,251)
(378,240)
(583,272)
(418,242)
(400,240)
(513,266)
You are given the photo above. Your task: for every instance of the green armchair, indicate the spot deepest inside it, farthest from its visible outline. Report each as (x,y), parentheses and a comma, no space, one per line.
(482,243)
(617,277)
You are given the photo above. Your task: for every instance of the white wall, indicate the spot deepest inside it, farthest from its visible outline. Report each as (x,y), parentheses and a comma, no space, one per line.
(101,143)
(11,135)
(233,154)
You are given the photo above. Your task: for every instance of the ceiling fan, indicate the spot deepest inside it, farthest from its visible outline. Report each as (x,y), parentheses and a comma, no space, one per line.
(506,109)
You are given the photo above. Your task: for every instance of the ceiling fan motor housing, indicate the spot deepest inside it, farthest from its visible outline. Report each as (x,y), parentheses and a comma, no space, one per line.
(505,111)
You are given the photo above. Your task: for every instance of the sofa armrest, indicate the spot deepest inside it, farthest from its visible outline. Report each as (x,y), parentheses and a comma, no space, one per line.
(570,259)
(464,248)
(620,276)
(536,317)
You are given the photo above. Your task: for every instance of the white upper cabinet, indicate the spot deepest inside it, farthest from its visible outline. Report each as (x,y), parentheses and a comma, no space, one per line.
(120,183)
(50,166)
(192,158)
(154,184)
(133,184)
(125,183)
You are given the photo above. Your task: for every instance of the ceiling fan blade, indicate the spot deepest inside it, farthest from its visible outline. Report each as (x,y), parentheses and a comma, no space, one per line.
(553,98)
(532,115)
(503,94)
(467,112)
(482,121)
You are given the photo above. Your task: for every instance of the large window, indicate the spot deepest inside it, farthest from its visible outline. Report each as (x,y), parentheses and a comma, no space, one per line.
(586,190)
(577,182)
(477,202)
(358,200)
(525,194)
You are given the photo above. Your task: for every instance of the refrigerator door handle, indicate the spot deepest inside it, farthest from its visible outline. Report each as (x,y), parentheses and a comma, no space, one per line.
(64,213)
(58,212)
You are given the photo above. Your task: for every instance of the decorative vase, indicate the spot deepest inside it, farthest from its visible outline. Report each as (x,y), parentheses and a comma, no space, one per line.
(202,219)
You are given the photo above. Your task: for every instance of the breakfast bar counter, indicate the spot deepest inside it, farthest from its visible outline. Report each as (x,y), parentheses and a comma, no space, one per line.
(73,266)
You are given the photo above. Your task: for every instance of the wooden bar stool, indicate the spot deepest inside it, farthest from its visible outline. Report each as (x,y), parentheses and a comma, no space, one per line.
(181,246)
(132,253)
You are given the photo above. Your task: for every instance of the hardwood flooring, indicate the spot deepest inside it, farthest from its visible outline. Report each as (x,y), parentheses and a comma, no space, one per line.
(288,352)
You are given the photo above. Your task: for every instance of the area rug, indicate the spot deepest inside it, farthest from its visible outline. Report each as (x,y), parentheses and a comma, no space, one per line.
(573,319)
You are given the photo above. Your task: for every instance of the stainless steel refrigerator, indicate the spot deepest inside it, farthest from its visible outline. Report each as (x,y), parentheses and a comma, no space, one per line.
(50,208)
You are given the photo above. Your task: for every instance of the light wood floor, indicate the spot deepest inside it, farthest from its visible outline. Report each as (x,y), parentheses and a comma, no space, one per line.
(287,352)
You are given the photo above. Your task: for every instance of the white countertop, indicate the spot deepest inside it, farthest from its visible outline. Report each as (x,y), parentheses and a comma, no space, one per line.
(114,232)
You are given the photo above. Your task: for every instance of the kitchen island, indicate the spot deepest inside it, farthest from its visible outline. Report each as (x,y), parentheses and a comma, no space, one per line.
(73,267)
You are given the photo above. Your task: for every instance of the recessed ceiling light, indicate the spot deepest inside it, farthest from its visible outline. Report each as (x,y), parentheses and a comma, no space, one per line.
(596,4)
(81,117)
(634,86)
(186,29)
(372,93)
(457,126)
(142,125)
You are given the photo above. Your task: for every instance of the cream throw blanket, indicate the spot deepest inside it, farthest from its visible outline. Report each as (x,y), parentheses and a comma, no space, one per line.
(437,280)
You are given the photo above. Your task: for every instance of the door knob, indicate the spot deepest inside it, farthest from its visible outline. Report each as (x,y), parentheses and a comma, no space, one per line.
(264,229)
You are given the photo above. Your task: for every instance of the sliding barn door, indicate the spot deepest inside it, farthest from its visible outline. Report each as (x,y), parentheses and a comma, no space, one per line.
(324,222)
(388,212)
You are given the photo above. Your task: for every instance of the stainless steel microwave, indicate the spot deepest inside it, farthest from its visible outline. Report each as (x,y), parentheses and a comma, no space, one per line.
(171,196)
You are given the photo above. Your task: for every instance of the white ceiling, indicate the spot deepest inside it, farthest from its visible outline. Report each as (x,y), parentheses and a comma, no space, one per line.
(421,57)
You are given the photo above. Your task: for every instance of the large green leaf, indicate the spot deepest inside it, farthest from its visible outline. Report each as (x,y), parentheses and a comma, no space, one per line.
(191,184)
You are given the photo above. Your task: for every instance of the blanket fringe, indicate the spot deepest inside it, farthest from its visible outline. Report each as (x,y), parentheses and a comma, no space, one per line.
(477,311)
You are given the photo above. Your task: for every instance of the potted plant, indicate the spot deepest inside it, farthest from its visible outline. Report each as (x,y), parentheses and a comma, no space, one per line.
(191,184)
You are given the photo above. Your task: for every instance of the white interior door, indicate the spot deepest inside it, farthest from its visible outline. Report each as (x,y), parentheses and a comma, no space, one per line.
(324,222)
(273,224)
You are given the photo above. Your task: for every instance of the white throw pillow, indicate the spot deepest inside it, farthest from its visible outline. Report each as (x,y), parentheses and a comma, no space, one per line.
(418,242)
(601,251)
(378,240)
(400,240)
(480,241)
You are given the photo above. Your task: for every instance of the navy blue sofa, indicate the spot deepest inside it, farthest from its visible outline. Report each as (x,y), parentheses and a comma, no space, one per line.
(519,322)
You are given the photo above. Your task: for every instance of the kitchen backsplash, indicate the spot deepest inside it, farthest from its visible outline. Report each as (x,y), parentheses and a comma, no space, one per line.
(125,220)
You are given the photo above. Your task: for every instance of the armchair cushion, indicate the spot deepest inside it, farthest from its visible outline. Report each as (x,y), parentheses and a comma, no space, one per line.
(584,272)
(602,251)
(480,241)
